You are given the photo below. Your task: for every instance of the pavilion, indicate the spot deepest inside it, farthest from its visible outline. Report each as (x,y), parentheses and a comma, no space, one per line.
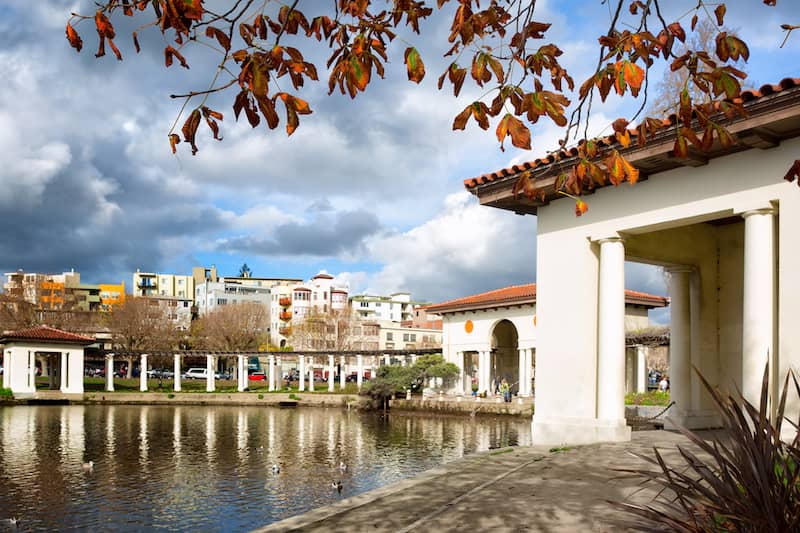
(724,225)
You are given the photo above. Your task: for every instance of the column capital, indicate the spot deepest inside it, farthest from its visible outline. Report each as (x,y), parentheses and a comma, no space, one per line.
(679,268)
(607,238)
(761,211)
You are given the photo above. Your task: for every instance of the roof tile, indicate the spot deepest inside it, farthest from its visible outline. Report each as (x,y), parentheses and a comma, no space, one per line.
(46,333)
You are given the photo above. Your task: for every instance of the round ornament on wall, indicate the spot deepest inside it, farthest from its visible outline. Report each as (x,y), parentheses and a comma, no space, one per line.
(469,326)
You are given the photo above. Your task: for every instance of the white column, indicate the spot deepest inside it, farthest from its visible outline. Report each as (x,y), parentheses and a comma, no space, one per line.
(523,360)
(387,359)
(758,302)
(176,369)
(330,373)
(680,340)
(611,332)
(460,380)
(413,359)
(241,374)
(7,369)
(359,370)
(641,369)
(311,374)
(271,376)
(32,370)
(210,373)
(279,373)
(64,372)
(342,372)
(143,372)
(110,372)
(302,371)
(403,360)
(483,372)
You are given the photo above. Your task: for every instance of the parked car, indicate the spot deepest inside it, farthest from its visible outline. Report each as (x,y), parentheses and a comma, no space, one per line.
(257,376)
(353,378)
(195,373)
(160,373)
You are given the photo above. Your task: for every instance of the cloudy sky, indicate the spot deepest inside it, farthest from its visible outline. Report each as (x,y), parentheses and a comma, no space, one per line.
(370,190)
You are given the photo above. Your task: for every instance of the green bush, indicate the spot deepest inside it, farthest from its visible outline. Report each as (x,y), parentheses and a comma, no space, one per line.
(6,393)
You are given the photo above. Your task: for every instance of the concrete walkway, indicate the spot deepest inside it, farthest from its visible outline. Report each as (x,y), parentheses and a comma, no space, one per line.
(514,489)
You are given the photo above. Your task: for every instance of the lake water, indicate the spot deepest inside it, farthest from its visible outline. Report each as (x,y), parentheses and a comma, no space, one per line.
(210,468)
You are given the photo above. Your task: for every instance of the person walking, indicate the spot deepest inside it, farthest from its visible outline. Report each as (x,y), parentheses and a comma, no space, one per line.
(505,389)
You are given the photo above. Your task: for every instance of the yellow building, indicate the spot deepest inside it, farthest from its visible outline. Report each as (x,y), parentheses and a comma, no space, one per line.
(111,295)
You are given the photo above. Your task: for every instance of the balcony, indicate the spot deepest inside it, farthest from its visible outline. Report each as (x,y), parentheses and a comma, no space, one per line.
(284,330)
(285,301)
(285,315)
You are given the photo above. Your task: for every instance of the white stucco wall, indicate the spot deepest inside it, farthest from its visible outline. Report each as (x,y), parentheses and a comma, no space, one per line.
(567,272)
(20,367)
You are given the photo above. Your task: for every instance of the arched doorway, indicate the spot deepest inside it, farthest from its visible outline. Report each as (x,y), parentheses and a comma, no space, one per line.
(505,356)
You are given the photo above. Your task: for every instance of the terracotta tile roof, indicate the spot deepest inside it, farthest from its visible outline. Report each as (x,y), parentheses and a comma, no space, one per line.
(604,142)
(526,294)
(46,334)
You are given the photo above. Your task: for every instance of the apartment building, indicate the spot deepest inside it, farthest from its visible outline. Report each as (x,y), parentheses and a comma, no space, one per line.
(292,303)
(396,307)
(58,292)
(149,284)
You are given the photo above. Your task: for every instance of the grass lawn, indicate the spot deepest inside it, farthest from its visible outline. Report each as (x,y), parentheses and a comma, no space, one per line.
(654,397)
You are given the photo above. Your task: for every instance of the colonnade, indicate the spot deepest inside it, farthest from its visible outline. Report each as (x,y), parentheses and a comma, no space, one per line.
(486,375)
(306,365)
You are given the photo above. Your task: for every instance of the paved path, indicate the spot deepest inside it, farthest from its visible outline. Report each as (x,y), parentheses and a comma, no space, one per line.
(515,489)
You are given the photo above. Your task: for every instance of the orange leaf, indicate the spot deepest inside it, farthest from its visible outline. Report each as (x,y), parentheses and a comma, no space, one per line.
(73,38)
(580,207)
(414,65)
(720,13)
(509,125)
(173,140)
(220,36)
(169,52)
(189,129)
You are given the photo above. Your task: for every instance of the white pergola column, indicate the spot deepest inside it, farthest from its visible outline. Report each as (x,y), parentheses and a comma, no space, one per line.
(611,332)
(641,369)
(271,376)
(331,380)
(110,372)
(413,359)
(342,372)
(302,371)
(359,370)
(680,340)
(241,374)
(176,370)
(143,372)
(387,359)
(311,374)
(758,302)
(210,385)
(279,375)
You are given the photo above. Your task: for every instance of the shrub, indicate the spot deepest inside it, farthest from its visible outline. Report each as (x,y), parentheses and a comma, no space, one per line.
(654,397)
(6,393)
(747,479)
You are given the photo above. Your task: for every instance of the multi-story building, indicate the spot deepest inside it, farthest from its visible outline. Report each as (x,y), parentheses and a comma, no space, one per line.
(397,307)
(163,285)
(292,303)
(59,292)
(111,295)
(211,295)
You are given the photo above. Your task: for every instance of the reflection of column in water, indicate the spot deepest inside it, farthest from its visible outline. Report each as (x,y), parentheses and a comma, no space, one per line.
(484,437)
(241,435)
(460,434)
(358,448)
(271,432)
(301,432)
(18,428)
(332,440)
(211,431)
(177,447)
(73,435)
(144,445)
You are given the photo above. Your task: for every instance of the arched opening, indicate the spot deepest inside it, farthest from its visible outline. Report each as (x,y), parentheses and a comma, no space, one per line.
(504,363)
(283,343)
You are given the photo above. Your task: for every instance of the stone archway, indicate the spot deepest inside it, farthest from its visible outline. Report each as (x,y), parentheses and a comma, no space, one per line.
(505,355)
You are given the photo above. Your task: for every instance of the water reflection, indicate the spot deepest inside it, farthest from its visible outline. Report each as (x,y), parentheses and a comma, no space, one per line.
(209,468)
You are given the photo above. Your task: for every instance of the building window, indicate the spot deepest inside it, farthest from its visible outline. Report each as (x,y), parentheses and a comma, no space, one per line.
(389,345)
(389,336)
(222,301)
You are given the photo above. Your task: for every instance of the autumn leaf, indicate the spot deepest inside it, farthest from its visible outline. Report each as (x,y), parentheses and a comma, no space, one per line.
(794,172)
(414,65)
(511,126)
(169,53)
(174,139)
(720,14)
(73,38)
(189,129)
(220,36)
(580,207)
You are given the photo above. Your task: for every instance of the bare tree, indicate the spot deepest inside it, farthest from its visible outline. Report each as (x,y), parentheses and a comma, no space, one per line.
(239,327)
(140,324)
(332,330)
(16,313)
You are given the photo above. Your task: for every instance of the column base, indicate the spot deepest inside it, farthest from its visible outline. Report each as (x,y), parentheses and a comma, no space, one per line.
(701,419)
(549,431)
